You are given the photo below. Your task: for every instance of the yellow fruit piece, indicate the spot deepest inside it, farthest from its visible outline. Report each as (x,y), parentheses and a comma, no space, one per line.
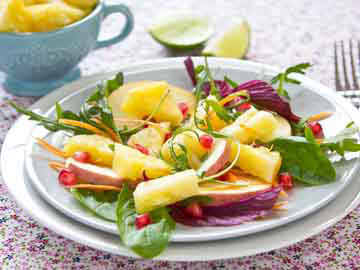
(195,151)
(83,4)
(117,98)
(283,128)
(35,2)
(258,161)
(52,16)
(261,125)
(96,145)
(149,138)
(144,100)
(14,17)
(166,190)
(131,164)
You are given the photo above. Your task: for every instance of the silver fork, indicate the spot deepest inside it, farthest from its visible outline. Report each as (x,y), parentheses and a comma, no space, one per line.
(347,89)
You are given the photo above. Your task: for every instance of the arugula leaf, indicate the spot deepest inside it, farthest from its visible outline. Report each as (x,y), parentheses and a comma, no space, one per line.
(283,77)
(343,142)
(213,89)
(101,203)
(220,111)
(304,160)
(231,82)
(201,199)
(149,241)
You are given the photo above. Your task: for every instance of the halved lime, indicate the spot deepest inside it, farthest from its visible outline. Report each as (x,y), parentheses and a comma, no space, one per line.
(181,30)
(233,42)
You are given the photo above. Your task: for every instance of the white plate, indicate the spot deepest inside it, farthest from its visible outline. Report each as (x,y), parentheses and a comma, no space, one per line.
(303,200)
(18,185)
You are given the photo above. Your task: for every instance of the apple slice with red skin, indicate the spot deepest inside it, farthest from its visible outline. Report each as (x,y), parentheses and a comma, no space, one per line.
(93,174)
(217,159)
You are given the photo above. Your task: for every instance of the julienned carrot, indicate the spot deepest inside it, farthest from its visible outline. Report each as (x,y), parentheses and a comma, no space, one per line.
(230,98)
(56,165)
(283,194)
(95,187)
(112,134)
(319,116)
(52,149)
(280,205)
(89,127)
(230,176)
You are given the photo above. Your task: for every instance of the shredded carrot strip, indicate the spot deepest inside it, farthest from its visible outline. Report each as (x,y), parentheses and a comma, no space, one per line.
(112,134)
(280,205)
(95,187)
(283,194)
(91,128)
(320,116)
(52,149)
(56,165)
(228,98)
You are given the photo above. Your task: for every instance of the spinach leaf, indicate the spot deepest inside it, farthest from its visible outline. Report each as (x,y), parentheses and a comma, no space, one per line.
(304,160)
(149,241)
(101,203)
(343,142)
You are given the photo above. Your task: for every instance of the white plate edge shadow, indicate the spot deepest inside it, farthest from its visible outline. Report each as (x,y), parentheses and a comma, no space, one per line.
(314,230)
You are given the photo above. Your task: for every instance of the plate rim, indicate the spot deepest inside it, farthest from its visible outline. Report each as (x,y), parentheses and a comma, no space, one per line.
(5,172)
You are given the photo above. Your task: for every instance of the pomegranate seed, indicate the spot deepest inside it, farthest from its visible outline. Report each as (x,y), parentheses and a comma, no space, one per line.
(67,177)
(244,106)
(286,180)
(167,136)
(146,126)
(184,108)
(316,129)
(82,157)
(194,210)
(206,141)
(142,149)
(142,221)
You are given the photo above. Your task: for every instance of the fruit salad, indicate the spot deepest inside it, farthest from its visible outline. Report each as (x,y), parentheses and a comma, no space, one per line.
(148,154)
(41,15)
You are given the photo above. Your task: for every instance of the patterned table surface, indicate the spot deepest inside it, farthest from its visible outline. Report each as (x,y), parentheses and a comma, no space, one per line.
(283,33)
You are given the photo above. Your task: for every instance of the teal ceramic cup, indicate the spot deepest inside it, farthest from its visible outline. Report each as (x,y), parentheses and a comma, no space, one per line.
(36,63)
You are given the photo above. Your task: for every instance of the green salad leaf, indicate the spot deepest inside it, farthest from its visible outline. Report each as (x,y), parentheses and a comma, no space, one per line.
(342,142)
(149,241)
(101,203)
(304,159)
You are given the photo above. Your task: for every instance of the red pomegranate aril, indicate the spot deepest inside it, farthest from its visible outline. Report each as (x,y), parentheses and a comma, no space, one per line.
(167,136)
(184,108)
(142,221)
(84,157)
(206,141)
(142,149)
(67,177)
(286,180)
(194,210)
(315,127)
(244,107)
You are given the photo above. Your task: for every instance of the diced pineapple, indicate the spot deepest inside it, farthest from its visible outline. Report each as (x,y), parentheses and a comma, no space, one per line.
(52,16)
(96,145)
(117,98)
(148,137)
(14,17)
(195,151)
(166,190)
(131,164)
(258,161)
(283,128)
(83,4)
(144,100)
(35,2)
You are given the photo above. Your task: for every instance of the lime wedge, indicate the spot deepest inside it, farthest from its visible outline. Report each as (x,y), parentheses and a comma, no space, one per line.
(233,42)
(181,31)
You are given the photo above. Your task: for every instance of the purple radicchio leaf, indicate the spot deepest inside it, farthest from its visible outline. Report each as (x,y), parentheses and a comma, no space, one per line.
(231,213)
(262,94)
(189,65)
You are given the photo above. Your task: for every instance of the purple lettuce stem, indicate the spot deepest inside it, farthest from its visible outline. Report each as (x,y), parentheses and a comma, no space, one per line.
(231,213)
(189,65)
(262,94)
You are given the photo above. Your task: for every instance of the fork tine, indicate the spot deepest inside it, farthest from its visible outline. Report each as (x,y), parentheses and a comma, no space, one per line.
(353,69)
(338,85)
(347,84)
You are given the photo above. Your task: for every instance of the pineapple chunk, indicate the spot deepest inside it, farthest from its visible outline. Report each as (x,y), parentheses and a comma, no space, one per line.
(97,146)
(131,164)
(35,2)
(117,98)
(142,101)
(88,4)
(283,128)
(195,151)
(166,190)
(52,16)
(258,161)
(252,125)
(14,17)
(148,137)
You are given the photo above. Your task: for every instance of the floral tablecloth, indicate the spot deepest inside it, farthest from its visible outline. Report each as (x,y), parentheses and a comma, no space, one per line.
(283,33)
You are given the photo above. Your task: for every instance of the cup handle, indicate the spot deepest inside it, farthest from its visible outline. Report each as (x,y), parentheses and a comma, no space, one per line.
(129,24)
